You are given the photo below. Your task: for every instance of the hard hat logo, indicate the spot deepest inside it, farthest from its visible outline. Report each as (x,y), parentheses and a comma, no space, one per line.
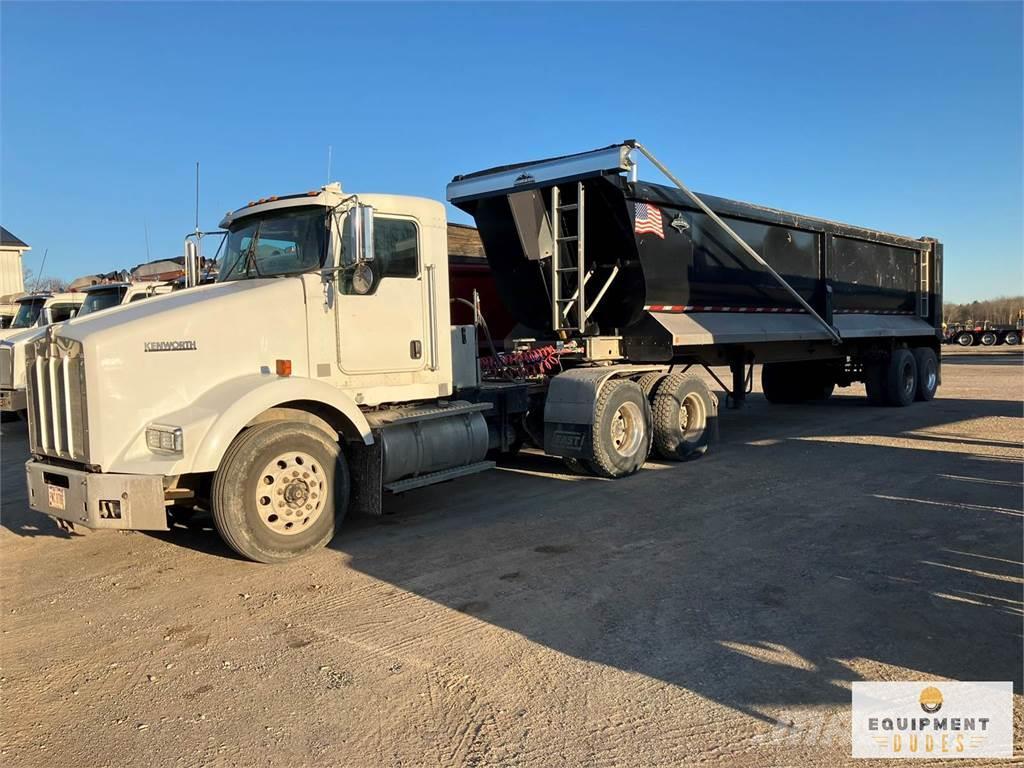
(931,699)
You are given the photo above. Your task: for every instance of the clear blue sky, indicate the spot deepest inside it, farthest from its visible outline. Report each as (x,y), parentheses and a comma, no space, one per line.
(903,117)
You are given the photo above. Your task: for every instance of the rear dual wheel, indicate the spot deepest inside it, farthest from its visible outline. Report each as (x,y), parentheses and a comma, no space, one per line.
(902,377)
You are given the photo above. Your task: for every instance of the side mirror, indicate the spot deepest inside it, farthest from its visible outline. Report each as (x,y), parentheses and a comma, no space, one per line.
(360,235)
(192,263)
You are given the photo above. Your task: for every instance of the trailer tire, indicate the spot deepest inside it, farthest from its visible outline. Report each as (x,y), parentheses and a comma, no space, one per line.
(1012,339)
(777,383)
(259,478)
(621,436)
(901,379)
(927,373)
(988,339)
(965,339)
(683,415)
(874,382)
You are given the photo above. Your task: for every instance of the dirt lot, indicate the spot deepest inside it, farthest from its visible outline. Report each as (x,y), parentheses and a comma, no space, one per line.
(714,612)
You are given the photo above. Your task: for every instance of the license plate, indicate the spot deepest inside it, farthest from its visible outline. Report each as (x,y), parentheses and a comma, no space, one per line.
(55,495)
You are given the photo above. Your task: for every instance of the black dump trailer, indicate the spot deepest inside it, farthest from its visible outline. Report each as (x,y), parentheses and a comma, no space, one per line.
(607,273)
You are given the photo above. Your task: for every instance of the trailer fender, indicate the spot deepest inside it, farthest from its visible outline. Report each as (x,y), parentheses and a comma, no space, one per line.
(257,394)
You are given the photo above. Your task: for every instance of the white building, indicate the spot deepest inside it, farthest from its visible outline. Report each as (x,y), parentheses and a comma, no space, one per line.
(12,277)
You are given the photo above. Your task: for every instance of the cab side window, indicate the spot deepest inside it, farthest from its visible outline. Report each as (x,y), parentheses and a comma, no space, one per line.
(396,247)
(61,312)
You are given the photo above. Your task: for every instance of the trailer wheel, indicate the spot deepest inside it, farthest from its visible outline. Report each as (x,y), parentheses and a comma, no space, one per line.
(874,381)
(927,373)
(621,438)
(777,383)
(901,378)
(1012,338)
(683,413)
(280,490)
(965,339)
(988,339)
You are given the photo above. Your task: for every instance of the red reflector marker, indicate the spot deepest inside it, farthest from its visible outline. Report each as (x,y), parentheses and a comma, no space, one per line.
(284,367)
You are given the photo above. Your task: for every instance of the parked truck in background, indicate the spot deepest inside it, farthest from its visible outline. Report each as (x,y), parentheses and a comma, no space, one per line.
(984,334)
(321,373)
(95,298)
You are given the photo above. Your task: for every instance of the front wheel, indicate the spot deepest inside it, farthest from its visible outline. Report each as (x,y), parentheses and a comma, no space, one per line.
(280,490)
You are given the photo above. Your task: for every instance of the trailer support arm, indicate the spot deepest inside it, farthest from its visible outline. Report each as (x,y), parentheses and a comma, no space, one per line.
(836,338)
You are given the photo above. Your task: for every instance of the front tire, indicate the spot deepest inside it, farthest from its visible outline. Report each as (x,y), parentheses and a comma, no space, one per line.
(280,490)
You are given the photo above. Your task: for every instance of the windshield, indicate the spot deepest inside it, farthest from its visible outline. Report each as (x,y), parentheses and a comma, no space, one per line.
(278,243)
(97,300)
(28,313)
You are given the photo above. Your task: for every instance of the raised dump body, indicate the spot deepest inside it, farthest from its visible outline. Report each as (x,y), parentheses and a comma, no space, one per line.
(660,273)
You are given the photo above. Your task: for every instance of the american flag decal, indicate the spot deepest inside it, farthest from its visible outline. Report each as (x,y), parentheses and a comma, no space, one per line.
(647,219)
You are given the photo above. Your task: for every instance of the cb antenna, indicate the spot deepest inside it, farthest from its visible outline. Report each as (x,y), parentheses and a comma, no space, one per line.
(197,197)
(329,152)
(39,277)
(145,227)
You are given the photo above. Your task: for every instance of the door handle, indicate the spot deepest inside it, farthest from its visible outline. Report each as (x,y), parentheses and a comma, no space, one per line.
(415,349)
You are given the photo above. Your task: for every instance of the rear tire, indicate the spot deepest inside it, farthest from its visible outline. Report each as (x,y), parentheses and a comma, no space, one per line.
(280,490)
(927,373)
(901,379)
(874,382)
(1012,339)
(965,339)
(621,433)
(988,339)
(683,414)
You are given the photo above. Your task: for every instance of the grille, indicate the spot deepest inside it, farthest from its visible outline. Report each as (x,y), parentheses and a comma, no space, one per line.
(56,399)
(6,366)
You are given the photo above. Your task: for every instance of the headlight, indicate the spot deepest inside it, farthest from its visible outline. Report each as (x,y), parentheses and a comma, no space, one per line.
(164,439)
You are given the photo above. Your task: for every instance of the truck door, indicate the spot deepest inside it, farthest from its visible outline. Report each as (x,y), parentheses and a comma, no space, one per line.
(384,329)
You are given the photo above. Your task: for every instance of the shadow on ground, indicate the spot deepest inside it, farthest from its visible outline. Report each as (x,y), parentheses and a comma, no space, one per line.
(816,542)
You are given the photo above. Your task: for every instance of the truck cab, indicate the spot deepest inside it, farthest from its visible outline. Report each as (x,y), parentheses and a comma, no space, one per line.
(325,342)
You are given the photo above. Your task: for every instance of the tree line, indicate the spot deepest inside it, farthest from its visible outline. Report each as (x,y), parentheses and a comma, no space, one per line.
(1003,310)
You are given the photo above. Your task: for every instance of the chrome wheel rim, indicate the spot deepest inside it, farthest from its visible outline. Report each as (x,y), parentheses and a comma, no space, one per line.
(964,341)
(692,417)
(291,493)
(908,380)
(627,429)
(932,378)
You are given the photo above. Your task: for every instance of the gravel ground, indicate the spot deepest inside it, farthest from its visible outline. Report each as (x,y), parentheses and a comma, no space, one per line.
(714,612)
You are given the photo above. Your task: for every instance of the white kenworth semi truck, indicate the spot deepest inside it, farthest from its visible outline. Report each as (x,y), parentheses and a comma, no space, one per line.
(321,372)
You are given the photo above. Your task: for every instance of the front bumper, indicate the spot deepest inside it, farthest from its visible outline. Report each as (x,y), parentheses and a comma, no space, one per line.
(13,400)
(97,499)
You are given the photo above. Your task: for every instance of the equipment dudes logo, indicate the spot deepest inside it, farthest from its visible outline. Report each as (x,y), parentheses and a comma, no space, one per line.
(933,720)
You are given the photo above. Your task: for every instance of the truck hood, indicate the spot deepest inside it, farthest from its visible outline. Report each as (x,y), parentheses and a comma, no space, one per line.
(152,361)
